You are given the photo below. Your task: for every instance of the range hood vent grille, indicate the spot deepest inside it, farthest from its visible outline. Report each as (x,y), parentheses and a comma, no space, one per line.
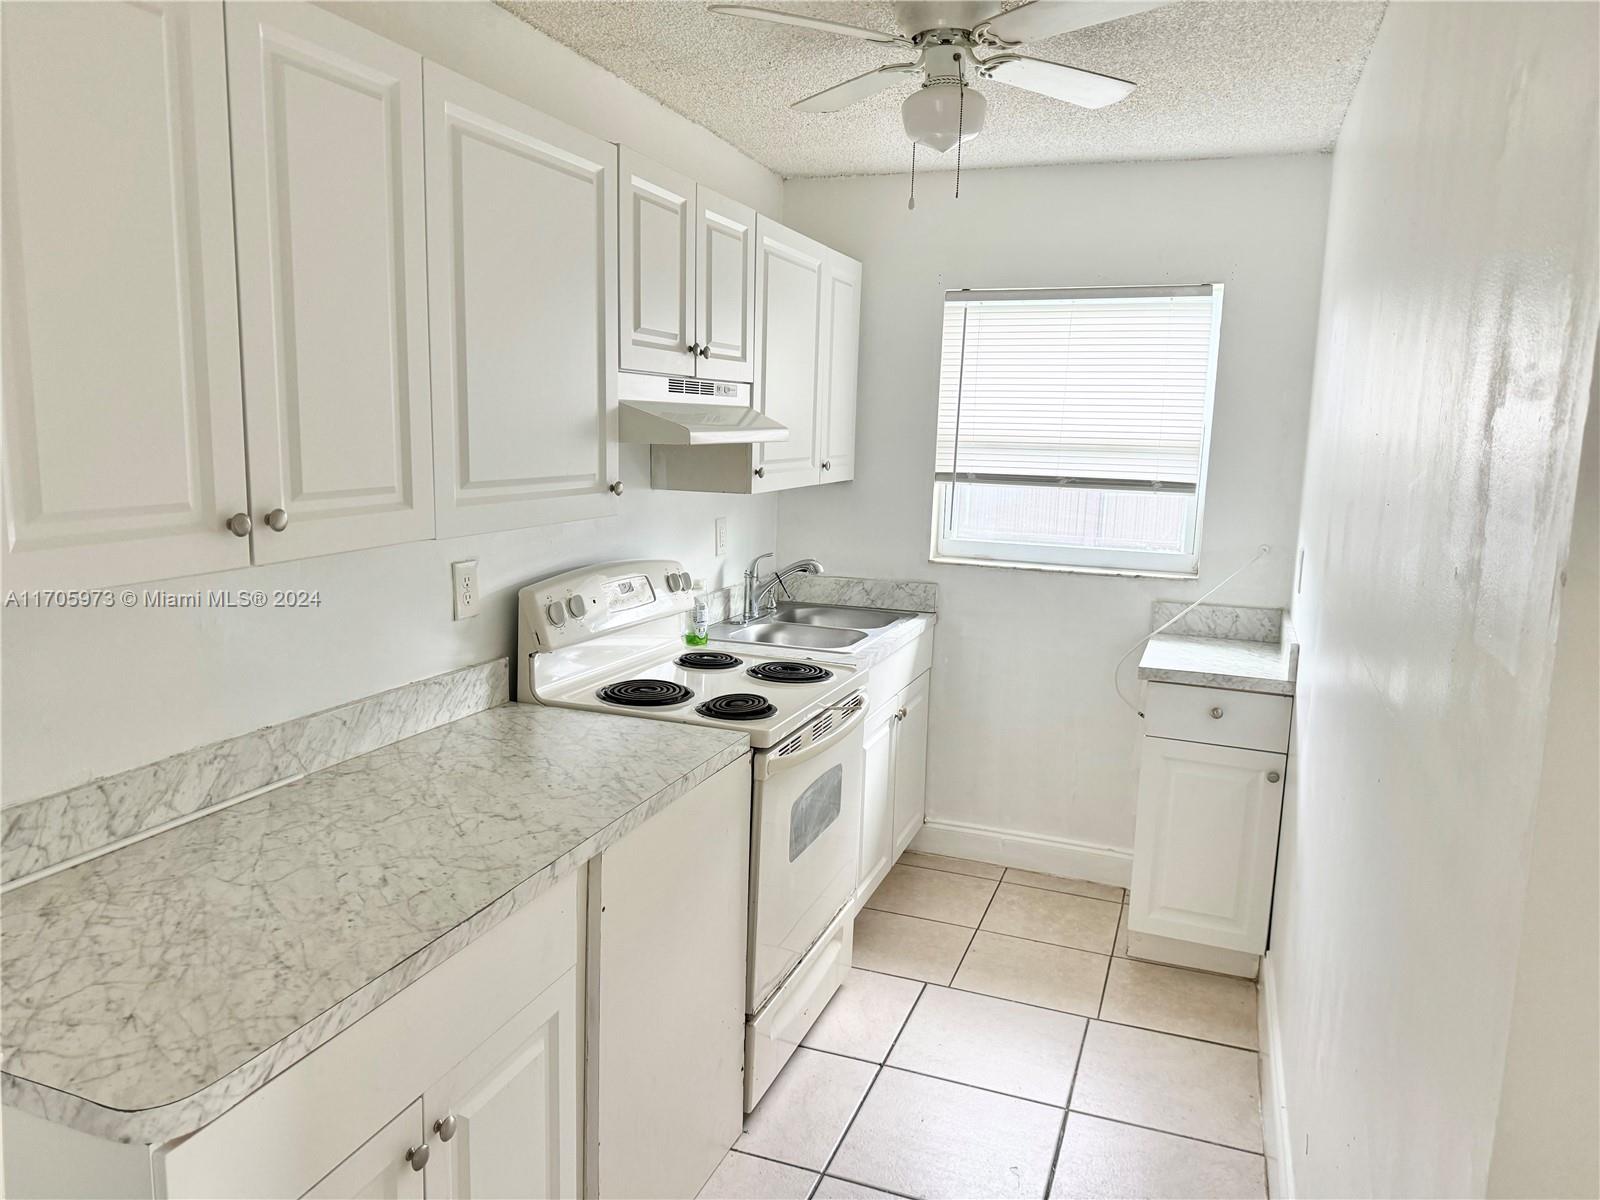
(691,387)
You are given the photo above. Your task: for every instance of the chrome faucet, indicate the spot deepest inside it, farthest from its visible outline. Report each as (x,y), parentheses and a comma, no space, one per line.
(756,593)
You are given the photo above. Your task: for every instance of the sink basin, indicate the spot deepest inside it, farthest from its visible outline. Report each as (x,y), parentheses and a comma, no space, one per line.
(787,633)
(836,618)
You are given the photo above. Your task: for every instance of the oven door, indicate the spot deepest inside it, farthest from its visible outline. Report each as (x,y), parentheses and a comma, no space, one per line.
(804,841)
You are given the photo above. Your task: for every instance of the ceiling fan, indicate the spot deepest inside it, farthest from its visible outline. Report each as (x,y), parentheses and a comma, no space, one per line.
(955,39)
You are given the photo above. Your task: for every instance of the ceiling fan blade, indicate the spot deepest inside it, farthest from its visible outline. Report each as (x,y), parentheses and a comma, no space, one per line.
(1046,18)
(1083,88)
(786,18)
(843,95)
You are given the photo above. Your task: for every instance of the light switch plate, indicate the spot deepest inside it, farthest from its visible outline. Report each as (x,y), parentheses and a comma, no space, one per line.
(464,577)
(722,536)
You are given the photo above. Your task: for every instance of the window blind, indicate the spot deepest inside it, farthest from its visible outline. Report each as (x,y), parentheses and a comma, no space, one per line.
(1103,388)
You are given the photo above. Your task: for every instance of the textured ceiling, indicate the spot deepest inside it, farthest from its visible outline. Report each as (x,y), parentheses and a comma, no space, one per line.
(1216,78)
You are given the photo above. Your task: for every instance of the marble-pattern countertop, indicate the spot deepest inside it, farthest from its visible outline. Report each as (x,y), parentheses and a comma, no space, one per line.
(146,991)
(1243,666)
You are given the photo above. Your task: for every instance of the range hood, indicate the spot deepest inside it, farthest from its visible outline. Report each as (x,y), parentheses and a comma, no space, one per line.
(666,410)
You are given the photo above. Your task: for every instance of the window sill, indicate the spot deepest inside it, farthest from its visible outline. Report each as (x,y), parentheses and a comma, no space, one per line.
(1056,568)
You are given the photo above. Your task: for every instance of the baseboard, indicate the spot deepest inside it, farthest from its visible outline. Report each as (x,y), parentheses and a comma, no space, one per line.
(1026,851)
(1274,1106)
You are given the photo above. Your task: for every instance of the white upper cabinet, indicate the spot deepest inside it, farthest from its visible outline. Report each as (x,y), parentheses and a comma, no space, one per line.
(328,187)
(687,296)
(657,258)
(838,458)
(791,327)
(124,435)
(725,288)
(522,270)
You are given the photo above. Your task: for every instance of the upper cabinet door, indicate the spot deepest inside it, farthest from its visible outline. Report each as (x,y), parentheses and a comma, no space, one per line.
(725,288)
(328,184)
(843,363)
(656,245)
(791,323)
(522,246)
(124,436)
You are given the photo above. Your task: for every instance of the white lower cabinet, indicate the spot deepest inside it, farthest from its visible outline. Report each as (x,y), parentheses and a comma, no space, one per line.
(894,788)
(1206,839)
(379,1170)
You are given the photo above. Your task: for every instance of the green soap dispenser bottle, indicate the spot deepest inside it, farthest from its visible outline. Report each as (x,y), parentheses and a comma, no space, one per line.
(700,622)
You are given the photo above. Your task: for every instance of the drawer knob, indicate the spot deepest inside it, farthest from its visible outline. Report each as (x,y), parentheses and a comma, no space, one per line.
(417,1156)
(445,1127)
(1273,777)
(1216,713)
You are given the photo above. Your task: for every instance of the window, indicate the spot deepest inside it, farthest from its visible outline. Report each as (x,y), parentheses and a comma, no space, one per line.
(1074,426)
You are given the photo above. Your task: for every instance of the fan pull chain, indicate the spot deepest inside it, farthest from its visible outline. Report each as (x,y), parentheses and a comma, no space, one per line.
(961,116)
(912,203)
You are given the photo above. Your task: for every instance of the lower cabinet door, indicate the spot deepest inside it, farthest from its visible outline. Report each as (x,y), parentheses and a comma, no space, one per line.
(877,800)
(384,1168)
(504,1123)
(1205,843)
(911,763)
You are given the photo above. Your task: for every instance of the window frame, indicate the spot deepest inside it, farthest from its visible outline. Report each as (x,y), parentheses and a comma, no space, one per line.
(1184,564)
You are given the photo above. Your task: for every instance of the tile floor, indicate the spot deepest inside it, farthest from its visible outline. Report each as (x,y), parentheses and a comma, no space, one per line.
(994,1039)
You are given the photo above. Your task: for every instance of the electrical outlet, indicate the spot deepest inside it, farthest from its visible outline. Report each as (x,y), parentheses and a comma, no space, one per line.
(464,576)
(722,536)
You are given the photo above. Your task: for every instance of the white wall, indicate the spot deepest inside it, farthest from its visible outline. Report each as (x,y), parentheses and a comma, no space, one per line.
(88,694)
(1027,733)
(1544,1139)
(1455,347)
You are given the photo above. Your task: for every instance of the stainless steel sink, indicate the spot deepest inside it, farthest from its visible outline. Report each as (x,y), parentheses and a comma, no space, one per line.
(836,617)
(788,633)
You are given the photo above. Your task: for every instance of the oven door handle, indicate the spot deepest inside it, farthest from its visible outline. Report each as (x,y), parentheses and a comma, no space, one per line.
(770,762)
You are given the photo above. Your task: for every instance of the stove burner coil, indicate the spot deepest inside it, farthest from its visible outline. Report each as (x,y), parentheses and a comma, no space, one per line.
(645,693)
(738,706)
(789,672)
(708,660)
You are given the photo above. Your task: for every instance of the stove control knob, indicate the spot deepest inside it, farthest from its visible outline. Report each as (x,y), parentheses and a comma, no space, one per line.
(679,582)
(671,581)
(576,606)
(554,612)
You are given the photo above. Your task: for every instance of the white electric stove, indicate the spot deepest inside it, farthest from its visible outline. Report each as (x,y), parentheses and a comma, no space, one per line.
(609,639)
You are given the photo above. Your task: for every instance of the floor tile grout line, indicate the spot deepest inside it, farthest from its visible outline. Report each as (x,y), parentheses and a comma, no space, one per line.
(1066,1112)
(1001,878)
(1037,942)
(967,949)
(1188,1137)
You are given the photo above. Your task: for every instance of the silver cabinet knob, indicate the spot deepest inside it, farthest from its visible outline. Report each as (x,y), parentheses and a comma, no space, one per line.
(616,488)
(417,1156)
(239,525)
(826,465)
(705,351)
(1216,713)
(901,715)
(761,472)
(277,520)
(694,347)
(1273,777)
(445,1127)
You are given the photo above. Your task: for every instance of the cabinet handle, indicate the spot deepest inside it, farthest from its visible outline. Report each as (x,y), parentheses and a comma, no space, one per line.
(694,347)
(445,1127)
(1273,777)
(239,525)
(1216,713)
(417,1156)
(616,488)
(705,351)
(761,472)
(901,715)
(277,520)
(826,465)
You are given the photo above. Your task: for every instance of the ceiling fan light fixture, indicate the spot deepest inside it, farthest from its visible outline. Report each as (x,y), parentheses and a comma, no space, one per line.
(938,115)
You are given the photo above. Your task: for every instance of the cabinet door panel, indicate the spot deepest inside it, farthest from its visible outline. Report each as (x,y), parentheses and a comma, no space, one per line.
(522,250)
(911,764)
(790,323)
(877,800)
(656,252)
(514,1104)
(843,359)
(1205,843)
(328,174)
(725,287)
(379,1170)
(124,433)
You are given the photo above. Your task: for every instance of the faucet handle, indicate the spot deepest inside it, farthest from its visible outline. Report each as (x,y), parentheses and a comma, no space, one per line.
(755,563)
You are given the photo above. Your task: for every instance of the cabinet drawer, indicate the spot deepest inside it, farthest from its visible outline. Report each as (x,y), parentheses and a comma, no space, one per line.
(1217,717)
(896,673)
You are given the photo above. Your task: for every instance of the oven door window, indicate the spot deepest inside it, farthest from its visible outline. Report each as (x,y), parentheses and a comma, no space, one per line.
(815,810)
